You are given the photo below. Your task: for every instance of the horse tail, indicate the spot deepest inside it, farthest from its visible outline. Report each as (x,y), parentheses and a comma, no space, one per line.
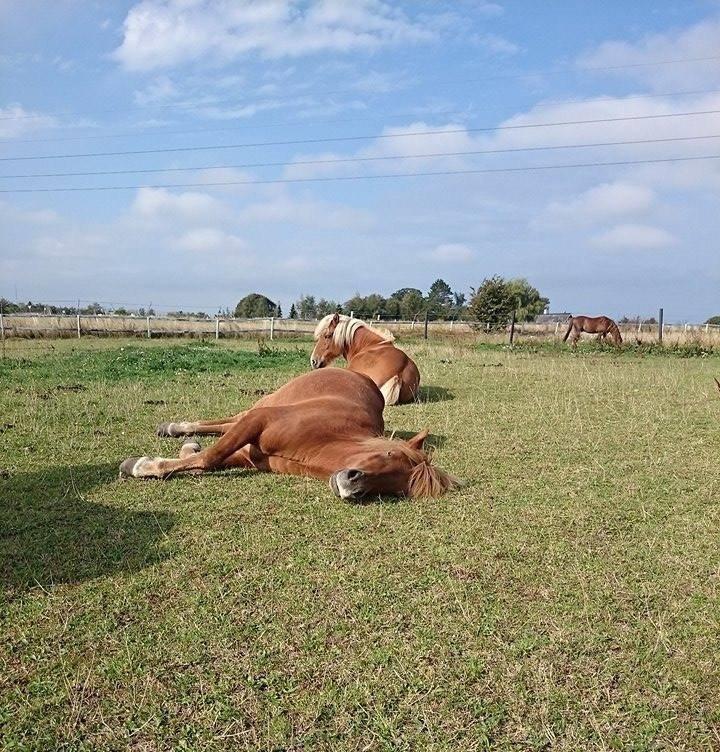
(391,390)
(615,333)
(569,329)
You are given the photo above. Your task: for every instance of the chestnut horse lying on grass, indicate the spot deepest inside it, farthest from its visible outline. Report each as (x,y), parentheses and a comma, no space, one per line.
(323,424)
(600,325)
(369,352)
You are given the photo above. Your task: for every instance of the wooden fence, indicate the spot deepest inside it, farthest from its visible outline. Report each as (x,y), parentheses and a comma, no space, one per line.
(32,326)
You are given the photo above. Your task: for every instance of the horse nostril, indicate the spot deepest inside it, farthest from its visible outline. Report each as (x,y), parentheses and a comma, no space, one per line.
(354,474)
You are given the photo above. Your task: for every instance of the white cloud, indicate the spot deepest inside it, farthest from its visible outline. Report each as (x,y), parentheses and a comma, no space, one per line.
(632,236)
(152,203)
(495,44)
(601,202)
(16,121)
(164,33)
(452,253)
(282,208)
(210,240)
(699,41)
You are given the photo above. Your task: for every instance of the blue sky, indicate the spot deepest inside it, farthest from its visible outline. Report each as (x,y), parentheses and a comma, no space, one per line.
(395,80)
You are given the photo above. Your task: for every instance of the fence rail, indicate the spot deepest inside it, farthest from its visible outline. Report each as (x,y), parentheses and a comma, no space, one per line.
(39,325)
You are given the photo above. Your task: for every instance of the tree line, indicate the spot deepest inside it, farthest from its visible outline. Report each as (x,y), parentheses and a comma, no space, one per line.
(492,302)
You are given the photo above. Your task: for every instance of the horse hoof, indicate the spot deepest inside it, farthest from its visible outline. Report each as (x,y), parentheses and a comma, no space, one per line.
(128,468)
(165,430)
(189,448)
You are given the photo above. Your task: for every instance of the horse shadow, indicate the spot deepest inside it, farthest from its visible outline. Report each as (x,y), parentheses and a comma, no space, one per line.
(51,534)
(434,394)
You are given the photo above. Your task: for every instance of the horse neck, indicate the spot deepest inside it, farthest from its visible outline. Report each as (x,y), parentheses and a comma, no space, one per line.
(362,339)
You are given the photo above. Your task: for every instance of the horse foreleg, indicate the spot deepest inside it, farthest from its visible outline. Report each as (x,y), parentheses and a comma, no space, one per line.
(216,427)
(241,433)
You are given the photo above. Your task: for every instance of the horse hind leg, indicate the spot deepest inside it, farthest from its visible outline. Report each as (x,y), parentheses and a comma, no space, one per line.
(216,427)
(391,390)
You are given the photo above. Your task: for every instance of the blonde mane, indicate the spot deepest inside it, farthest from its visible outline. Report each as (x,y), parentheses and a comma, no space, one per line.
(426,480)
(346,328)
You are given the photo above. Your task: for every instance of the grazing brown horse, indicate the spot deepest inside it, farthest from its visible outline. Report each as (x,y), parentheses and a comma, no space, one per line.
(369,352)
(600,325)
(324,424)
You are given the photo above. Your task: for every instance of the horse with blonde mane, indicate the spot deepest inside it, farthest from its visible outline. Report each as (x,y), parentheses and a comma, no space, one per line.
(322,424)
(368,351)
(600,325)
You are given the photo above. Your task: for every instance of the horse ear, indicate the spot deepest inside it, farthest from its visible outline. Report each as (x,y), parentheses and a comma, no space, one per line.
(334,321)
(418,440)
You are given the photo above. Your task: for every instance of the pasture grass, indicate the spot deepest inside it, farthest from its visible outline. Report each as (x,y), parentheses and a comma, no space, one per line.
(565,599)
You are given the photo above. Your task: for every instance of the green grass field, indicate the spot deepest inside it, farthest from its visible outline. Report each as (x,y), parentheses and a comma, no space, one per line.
(565,599)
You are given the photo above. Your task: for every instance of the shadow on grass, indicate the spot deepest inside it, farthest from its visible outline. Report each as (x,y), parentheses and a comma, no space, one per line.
(50,534)
(434,394)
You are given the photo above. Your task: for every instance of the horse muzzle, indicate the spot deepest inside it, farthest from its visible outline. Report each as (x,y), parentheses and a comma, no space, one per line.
(316,363)
(348,483)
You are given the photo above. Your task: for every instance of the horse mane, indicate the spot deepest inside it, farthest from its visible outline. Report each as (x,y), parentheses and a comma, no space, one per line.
(346,328)
(426,480)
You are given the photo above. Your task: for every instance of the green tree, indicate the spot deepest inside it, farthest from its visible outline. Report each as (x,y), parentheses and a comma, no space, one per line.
(307,307)
(528,301)
(403,291)
(254,306)
(293,311)
(713,320)
(492,302)
(439,298)
(412,303)
(324,307)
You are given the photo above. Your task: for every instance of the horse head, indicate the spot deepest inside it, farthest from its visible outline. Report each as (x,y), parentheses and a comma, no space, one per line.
(326,348)
(390,467)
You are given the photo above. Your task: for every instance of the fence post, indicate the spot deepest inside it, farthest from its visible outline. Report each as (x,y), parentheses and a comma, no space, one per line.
(352,314)
(272,327)
(426,325)
(78,326)
(557,326)
(148,327)
(707,326)
(2,327)
(660,326)
(512,328)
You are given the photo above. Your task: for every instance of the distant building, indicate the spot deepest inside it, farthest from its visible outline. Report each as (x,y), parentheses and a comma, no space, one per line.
(551,318)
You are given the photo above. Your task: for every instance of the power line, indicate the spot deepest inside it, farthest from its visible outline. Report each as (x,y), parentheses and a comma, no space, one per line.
(364,177)
(334,139)
(345,160)
(500,76)
(304,121)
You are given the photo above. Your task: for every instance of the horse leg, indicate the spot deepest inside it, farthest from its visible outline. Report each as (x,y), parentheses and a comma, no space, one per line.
(240,434)
(216,427)
(391,390)
(575,337)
